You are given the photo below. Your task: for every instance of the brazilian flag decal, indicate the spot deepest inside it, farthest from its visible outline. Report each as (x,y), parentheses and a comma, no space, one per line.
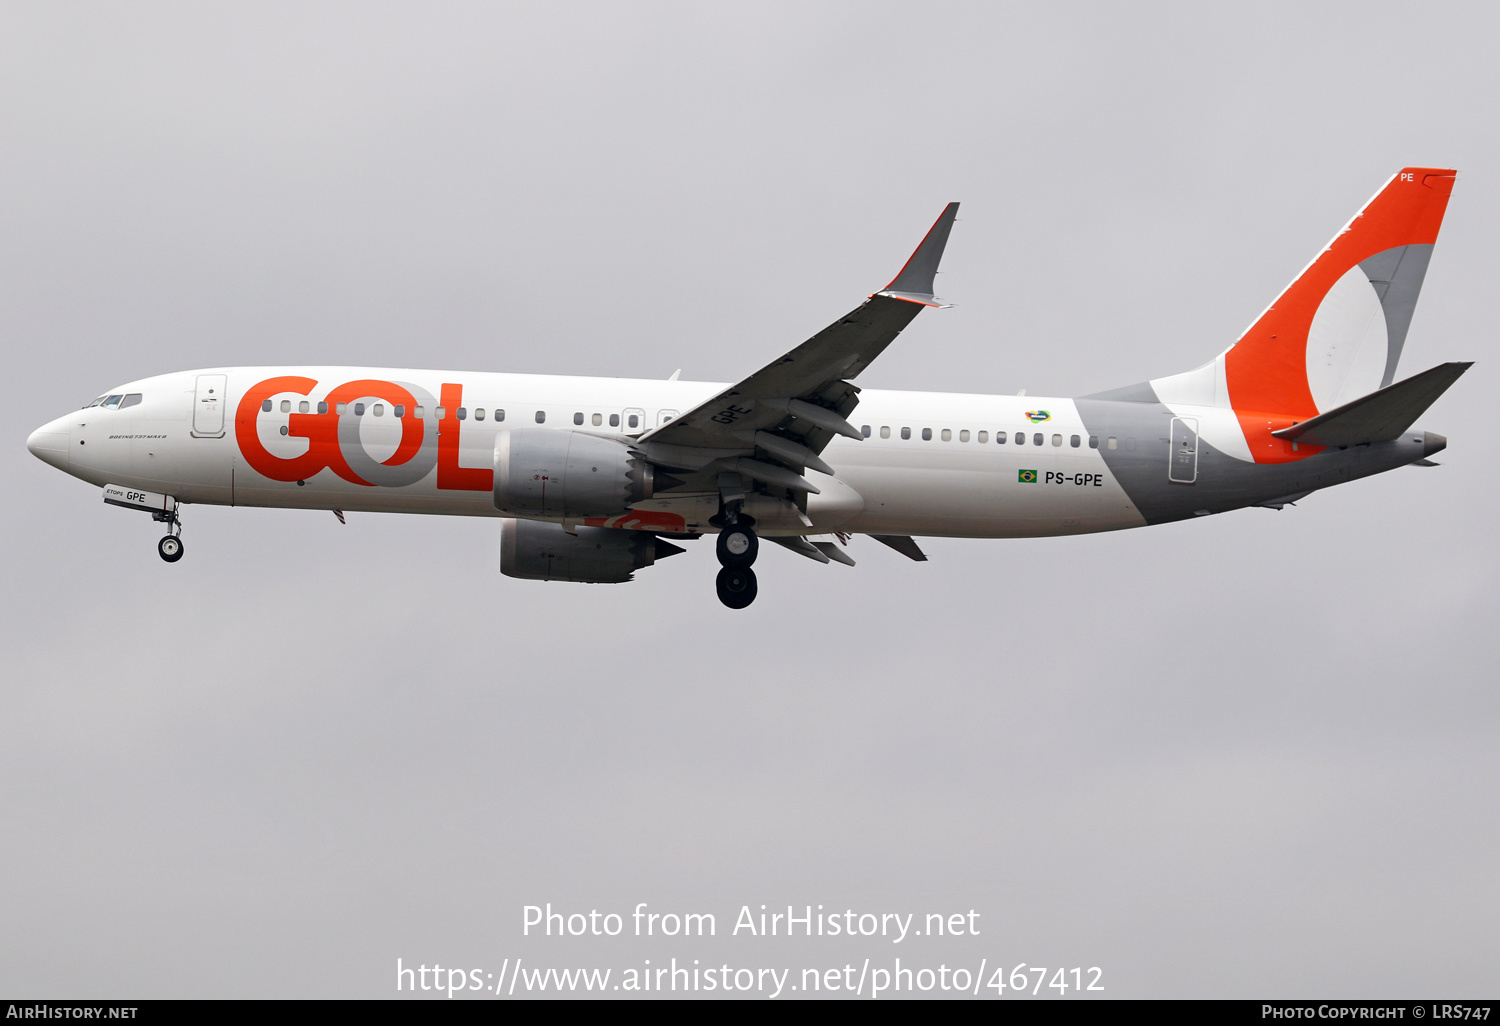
(1027,477)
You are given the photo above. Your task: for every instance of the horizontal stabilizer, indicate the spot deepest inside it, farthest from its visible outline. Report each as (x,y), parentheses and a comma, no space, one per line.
(1380,416)
(902,544)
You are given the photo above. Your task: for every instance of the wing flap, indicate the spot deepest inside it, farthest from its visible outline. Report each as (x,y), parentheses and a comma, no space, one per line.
(903,544)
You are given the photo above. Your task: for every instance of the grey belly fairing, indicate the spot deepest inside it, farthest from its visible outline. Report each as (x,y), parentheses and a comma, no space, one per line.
(1223,483)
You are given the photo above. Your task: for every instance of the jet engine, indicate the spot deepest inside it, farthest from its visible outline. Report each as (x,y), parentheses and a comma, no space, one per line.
(567,474)
(538,551)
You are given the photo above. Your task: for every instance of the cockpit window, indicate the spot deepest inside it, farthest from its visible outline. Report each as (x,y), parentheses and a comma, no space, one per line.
(133,399)
(96,402)
(112,402)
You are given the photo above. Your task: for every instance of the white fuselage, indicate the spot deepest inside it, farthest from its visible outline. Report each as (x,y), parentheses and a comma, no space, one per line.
(930,464)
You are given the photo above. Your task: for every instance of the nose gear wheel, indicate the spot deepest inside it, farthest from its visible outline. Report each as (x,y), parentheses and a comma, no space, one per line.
(170,547)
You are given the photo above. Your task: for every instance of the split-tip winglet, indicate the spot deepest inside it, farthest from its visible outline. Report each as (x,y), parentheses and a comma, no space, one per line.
(915,282)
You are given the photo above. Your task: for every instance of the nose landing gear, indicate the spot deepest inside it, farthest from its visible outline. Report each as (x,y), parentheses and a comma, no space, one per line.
(170,547)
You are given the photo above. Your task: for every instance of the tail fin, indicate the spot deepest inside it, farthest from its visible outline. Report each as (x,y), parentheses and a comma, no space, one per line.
(1336,333)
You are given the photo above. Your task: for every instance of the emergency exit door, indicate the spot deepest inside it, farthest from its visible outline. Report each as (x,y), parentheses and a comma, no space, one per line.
(1183,468)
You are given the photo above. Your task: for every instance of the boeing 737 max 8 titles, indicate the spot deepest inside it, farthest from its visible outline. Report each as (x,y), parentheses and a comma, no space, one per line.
(596,478)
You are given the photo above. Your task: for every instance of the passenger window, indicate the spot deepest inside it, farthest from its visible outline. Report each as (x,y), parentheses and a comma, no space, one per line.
(499,414)
(479,413)
(323,407)
(906,432)
(1093,441)
(461,413)
(614,420)
(1056,440)
(439,412)
(541,416)
(578,419)
(341,409)
(947,435)
(303,407)
(1021,438)
(984,436)
(635,420)
(885,431)
(379,410)
(963,436)
(265,407)
(1074,441)
(1114,443)
(1036,439)
(135,397)
(864,430)
(927,434)
(398,411)
(286,406)
(418,413)
(597,419)
(359,409)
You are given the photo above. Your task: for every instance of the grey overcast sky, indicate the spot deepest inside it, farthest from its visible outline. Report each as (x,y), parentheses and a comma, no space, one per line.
(1253,755)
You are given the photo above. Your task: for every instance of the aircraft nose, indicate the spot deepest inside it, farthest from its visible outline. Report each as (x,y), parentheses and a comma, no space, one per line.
(49,443)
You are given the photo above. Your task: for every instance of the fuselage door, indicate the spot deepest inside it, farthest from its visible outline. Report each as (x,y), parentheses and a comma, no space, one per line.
(635,421)
(1183,466)
(208,406)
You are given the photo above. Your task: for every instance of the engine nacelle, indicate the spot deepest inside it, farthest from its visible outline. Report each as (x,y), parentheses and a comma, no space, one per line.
(567,474)
(538,551)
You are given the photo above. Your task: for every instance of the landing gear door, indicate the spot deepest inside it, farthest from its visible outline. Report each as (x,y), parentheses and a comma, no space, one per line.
(1183,466)
(208,406)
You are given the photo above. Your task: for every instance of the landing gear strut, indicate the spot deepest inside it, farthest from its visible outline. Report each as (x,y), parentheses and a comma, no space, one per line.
(170,547)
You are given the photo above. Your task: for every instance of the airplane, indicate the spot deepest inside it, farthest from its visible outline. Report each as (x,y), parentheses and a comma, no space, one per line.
(596,478)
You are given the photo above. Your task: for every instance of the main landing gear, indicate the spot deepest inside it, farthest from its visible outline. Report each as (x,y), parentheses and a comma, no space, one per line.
(170,547)
(737,548)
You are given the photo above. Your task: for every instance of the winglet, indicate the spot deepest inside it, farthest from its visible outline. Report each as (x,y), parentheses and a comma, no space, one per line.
(915,282)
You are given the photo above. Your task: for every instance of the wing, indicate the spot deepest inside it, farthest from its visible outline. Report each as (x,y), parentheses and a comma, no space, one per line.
(774,423)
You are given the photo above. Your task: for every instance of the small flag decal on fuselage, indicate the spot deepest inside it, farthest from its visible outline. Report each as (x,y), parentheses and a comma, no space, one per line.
(1027,477)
